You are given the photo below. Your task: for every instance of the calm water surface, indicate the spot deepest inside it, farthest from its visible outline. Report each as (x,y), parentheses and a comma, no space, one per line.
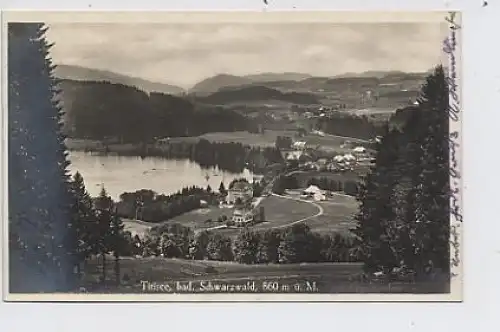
(128,174)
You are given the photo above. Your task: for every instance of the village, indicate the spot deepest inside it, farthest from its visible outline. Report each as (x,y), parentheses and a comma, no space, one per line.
(304,161)
(350,156)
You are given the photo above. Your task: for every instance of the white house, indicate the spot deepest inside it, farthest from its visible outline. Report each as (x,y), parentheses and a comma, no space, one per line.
(242,190)
(243,215)
(312,190)
(359,149)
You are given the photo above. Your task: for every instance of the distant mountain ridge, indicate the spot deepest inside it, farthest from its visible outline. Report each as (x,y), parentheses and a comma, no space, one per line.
(215,83)
(223,81)
(78,73)
(391,88)
(276,77)
(256,93)
(381,74)
(298,81)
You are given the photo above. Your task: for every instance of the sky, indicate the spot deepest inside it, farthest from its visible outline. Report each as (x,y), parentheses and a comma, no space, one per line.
(184,54)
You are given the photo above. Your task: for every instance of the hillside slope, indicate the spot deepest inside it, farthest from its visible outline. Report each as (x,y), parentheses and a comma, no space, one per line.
(257,93)
(215,83)
(78,73)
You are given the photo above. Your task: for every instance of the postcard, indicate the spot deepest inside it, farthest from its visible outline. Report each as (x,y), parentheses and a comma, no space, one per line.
(232,156)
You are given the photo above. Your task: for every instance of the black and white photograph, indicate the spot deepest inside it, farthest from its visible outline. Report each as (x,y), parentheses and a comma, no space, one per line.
(232,156)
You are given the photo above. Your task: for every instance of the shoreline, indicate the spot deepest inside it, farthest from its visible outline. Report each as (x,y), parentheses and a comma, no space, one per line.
(88,145)
(152,150)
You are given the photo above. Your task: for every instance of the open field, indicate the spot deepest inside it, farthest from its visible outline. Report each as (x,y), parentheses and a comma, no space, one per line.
(337,213)
(329,277)
(337,217)
(279,212)
(327,143)
(268,138)
(137,227)
(197,219)
(330,216)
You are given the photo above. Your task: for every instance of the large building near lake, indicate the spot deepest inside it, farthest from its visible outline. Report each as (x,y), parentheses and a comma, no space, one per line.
(242,191)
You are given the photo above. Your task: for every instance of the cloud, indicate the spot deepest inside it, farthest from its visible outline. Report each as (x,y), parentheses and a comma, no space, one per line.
(184,54)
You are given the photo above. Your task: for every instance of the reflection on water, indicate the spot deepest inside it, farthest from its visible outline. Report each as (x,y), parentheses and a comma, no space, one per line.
(127,174)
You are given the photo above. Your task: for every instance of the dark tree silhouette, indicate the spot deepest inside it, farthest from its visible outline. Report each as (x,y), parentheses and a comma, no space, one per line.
(102,236)
(403,222)
(375,218)
(222,189)
(40,246)
(246,247)
(433,190)
(83,221)
(117,242)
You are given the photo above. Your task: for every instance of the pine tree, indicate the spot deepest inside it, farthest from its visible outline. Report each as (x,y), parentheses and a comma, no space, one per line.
(199,246)
(117,242)
(40,246)
(376,227)
(222,189)
(101,244)
(83,221)
(403,220)
(433,194)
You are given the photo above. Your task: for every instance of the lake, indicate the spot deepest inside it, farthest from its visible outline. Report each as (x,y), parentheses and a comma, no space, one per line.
(121,174)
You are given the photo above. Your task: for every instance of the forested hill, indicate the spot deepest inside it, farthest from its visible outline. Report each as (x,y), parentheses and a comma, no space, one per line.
(100,110)
(350,125)
(213,84)
(104,110)
(78,73)
(254,93)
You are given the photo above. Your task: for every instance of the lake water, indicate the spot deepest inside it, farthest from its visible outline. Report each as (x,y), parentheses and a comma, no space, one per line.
(127,174)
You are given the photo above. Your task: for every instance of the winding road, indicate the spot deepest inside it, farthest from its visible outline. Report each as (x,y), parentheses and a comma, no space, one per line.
(319,213)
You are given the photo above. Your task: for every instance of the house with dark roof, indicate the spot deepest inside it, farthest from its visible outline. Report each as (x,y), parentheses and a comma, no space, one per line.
(240,191)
